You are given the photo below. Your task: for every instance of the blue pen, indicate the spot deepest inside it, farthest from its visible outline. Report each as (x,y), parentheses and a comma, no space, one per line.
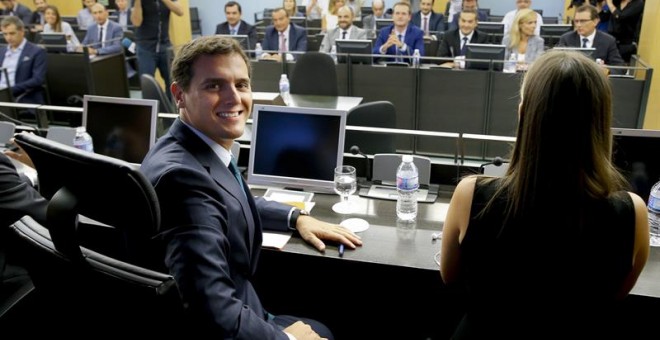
(341,250)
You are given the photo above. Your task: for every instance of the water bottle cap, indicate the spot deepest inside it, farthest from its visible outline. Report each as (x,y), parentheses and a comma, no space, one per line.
(407,158)
(81,129)
(283,76)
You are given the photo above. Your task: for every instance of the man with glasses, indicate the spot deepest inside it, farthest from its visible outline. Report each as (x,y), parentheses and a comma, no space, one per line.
(587,36)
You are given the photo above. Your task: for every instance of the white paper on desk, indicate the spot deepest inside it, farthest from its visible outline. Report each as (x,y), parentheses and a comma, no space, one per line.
(274,239)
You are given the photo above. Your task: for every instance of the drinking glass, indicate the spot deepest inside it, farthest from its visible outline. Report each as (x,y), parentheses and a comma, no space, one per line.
(345,185)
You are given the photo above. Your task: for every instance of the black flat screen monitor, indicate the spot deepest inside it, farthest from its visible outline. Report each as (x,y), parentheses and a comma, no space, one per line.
(380,23)
(300,21)
(123,128)
(495,31)
(53,42)
(494,53)
(357,51)
(242,39)
(588,52)
(296,147)
(632,155)
(554,30)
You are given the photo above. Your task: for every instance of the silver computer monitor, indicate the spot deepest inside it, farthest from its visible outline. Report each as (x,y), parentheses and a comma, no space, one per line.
(632,156)
(123,128)
(296,147)
(242,39)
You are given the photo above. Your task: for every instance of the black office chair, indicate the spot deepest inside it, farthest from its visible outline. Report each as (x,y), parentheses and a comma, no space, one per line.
(374,114)
(314,74)
(195,21)
(98,275)
(152,90)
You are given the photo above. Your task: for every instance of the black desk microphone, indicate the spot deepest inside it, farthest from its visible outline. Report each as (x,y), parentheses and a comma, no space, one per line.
(497,161)
(356,150)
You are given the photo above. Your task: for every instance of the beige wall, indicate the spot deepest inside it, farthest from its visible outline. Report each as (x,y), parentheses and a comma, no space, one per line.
(650,52)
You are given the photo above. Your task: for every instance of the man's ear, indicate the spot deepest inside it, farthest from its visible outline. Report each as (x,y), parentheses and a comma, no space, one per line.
(177,93)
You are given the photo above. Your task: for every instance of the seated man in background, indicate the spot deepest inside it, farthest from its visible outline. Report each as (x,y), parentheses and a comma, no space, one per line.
(283,36)
(12,7)
(400,38)
(455,42)
(235,25)
(123,13)
(344,30)
(38,17)
(472,5)
(369,21)
(85,17)
(104,37)
(25,63)
(427,20)
(586,35)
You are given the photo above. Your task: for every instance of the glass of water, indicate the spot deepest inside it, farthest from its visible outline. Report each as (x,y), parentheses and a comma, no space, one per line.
(345,185)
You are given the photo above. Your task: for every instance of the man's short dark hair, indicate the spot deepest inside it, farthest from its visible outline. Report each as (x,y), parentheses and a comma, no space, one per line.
(182,66)
(588,8)
(12,20)
(234,3)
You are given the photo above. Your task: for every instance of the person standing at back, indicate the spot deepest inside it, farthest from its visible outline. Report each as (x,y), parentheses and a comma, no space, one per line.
(211,232)
(152,19)
(236,25)
(625,24)
(549,249)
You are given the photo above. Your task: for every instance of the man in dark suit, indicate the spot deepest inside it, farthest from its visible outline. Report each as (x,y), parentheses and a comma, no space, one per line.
(235,25)
(427,20)
(104,37)
(211,230)
(586,35)
(38,18)
(482,15)
(455,41)
(400,38)
(24,61)
(12,7)
(283,36)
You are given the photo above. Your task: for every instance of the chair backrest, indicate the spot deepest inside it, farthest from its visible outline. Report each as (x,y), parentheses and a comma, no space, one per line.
(152,90)
(314,74)
(103,270)
(373,114)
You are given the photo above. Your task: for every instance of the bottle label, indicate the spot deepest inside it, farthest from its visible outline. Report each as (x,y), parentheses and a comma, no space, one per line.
(411,183)
(654,203)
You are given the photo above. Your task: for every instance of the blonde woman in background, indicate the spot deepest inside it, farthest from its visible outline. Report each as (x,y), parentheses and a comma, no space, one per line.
(330,18)
(522,41)
(291,7)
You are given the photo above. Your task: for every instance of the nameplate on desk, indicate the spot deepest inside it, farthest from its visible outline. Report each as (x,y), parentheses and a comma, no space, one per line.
(267,98)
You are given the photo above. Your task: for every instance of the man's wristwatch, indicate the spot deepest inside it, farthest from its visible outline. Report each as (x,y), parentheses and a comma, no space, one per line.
(294,217)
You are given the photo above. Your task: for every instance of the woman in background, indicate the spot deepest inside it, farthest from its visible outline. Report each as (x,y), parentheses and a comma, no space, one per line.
(549,249)
(330,18)
(522,41)
(54,24)
(291,8)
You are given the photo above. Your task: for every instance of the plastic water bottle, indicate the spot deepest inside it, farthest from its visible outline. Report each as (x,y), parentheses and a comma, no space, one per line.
(333,53)
(284,89)
(258,51)
(415,58)
(510,65)
(654,215)
(83,140)
(560,19)
(407,184)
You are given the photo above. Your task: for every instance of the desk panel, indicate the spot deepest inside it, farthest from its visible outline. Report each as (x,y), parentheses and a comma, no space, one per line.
(394,84)
(451,101)
(503,111)
(627,102)
(266,76)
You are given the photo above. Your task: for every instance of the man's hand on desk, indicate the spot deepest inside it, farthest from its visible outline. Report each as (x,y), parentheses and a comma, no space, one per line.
(314,231)
(19,154)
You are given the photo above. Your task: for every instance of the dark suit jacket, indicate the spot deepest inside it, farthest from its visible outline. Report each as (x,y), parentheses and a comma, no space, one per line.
(451,43)
(36,19)
(604,44)
(481,16)
(30,74)
(414,39)
(297,39)
(437,22)
(244,29)
(24,13)
(211,234)
(112,37)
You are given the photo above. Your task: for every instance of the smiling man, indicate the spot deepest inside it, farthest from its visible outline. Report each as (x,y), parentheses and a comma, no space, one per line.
(344,30)
(212,226)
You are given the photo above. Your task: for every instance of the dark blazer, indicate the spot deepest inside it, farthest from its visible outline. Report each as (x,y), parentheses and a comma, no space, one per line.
(244,29)
(481,16)
(30,74)
(211,234)
(437,22)
(414,39)
(113,38)
(451,43)
(24,13)
(297,39)
(604,44)
(36,19)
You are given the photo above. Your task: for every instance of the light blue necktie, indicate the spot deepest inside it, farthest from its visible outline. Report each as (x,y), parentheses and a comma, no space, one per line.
(233,31)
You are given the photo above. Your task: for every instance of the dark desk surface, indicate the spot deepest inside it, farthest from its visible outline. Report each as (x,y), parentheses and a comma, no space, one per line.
(388,242)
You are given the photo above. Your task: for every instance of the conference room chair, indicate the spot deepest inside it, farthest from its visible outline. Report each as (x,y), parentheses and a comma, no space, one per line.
(152,90)
(91,263)
(314,74)
(380,114)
